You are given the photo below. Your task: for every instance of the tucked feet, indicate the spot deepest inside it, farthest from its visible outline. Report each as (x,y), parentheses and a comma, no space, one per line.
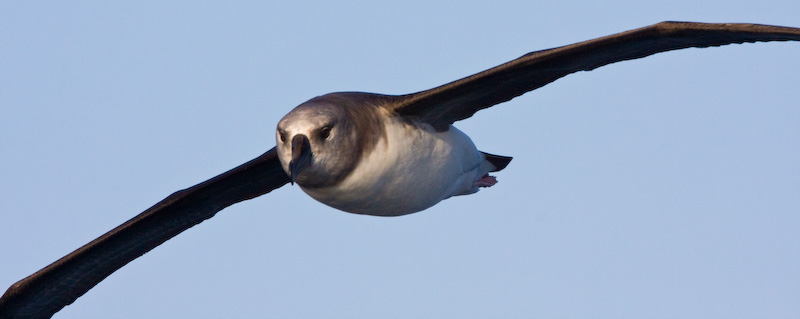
(486,181)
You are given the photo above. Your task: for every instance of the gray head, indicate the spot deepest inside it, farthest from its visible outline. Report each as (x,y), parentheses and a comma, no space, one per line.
(323,139)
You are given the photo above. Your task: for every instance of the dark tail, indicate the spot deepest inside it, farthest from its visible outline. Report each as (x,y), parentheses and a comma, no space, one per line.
(499,162)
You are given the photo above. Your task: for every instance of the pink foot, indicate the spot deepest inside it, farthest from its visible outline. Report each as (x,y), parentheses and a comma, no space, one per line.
(486,181)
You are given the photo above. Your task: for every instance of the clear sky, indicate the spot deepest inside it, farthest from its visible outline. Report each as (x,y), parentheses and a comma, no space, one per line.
(667,187)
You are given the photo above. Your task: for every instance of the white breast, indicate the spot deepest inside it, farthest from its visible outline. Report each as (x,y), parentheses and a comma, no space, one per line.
(412,169)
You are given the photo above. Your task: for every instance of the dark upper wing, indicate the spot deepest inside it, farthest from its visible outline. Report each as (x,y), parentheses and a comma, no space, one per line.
(441,106)
(48,290)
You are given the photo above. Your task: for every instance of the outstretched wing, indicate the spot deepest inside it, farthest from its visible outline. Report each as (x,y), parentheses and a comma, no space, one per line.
(48,290)
(443,105)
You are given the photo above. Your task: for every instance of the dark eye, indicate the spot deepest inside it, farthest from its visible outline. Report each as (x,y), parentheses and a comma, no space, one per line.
(282,136)
(325,132)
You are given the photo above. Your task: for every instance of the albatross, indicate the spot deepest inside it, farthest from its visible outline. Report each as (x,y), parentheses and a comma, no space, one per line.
(365,153)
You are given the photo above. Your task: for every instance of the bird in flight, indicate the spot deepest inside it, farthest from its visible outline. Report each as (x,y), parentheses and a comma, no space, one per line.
(365,153)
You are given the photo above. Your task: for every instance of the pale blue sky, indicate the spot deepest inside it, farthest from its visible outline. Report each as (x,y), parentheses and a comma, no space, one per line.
(667,187)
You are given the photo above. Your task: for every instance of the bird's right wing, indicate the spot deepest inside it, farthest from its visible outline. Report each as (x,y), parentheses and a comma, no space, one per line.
(45,292)
(443,105)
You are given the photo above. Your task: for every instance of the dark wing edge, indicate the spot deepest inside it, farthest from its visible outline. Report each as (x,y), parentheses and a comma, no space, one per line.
(47,291)
(443,105)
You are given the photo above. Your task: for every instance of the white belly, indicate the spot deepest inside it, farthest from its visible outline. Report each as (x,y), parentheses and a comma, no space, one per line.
(412,169)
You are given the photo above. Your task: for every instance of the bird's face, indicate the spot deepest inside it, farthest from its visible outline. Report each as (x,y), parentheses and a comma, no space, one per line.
(313,141)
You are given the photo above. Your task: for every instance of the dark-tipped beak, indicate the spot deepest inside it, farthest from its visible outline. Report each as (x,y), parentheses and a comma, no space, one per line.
(301,155)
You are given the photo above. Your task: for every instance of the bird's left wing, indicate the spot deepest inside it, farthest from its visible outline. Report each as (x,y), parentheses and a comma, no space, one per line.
(443,105)
(45,292)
